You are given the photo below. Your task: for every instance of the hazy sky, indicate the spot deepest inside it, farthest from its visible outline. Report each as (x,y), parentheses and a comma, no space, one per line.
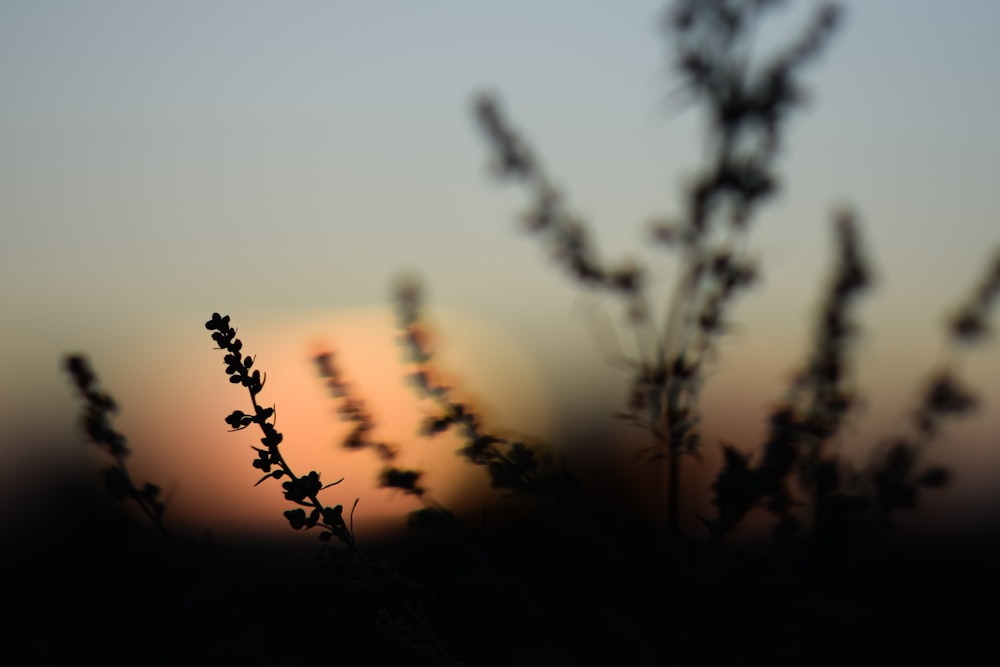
(160,161)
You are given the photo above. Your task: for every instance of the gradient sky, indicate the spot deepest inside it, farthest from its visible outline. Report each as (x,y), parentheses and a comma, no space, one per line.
(286,161)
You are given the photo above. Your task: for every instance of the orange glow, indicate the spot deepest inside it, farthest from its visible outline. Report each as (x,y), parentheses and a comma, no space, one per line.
(189,452)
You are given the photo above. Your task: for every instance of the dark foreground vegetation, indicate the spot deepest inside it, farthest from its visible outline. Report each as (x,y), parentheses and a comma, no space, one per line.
(539,591)
(559,571)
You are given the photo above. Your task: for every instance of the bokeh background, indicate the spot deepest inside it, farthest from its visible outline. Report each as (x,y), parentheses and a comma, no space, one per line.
(286,162)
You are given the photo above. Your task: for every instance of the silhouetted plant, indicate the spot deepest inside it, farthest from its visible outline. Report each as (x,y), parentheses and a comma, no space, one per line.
(970,322)
(897,478)
(380,578)
(303,490)
(812,413)
(746,103)
(95,421)
(596,566)
(352,409)
(513,466)
(746,107)
(846,504)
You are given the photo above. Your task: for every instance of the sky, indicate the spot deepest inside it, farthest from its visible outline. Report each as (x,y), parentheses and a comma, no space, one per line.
(286,162)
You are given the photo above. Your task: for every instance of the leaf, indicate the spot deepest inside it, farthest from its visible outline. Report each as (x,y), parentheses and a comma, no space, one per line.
(267,476)
(238,420)
(296,517)
(217,323)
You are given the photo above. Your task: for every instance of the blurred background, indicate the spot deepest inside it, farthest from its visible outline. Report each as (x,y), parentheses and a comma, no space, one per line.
(285,163)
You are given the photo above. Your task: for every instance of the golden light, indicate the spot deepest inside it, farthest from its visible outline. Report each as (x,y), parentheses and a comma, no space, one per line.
(181,441)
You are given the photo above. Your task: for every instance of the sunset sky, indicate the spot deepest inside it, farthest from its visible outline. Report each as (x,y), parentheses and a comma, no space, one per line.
(286,162)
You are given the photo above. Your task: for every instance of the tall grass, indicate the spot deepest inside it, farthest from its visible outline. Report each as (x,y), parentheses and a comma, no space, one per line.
(560,577)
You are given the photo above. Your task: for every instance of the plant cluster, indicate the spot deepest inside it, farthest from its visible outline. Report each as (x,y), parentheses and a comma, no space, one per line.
(380,579)
(352,409)
(747,103)
(304,490)
(796,475)
(847,505)
(746,107)
(513,466)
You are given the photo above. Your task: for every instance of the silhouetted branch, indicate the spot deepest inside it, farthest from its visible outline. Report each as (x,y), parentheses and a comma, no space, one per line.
(304,492)
(95,421)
